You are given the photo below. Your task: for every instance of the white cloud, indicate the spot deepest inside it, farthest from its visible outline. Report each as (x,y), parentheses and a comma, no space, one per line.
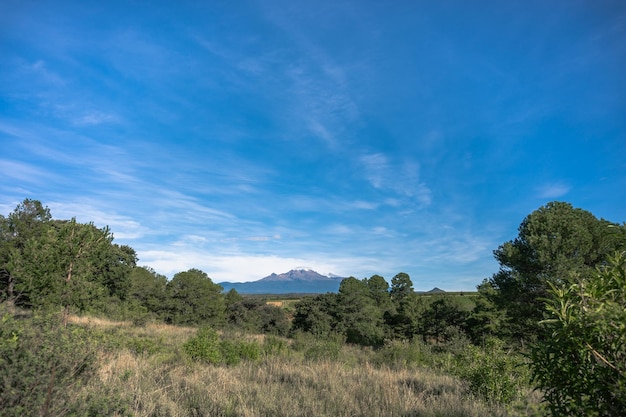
(94,117)
(553,190)
(241,267)
(122,227)
(400,177)
(375,166)
(23,172)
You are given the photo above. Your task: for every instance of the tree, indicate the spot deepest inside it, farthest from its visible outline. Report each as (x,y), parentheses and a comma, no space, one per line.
(149,289)
(29,219)
(403,319)
(440,317)
(486,318)
(46,262)
(554,241)
(195,299)
(581,366)
(232,297)
(379,292)
(316,315)
(360,318)
(401,287)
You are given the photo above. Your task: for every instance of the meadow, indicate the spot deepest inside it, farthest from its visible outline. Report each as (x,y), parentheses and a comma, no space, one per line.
(147,370)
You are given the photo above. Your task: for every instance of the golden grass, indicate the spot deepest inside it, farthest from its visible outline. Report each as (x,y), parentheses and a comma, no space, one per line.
(166,384)
(279,387)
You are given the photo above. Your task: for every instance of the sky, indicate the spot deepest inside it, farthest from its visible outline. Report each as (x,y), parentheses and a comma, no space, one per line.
(350,137)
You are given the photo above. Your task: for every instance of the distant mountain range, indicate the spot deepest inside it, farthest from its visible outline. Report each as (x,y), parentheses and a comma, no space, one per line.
(296,281)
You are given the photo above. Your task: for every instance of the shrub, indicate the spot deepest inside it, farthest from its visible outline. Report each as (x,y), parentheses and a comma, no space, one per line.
(206,346)
(42,366)
(581,364)
(316,349)
(492,372)
(399,354)
(273,345)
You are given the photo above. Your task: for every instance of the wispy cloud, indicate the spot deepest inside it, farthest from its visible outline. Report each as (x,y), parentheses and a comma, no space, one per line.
(24,172)
(400,177)
(244,267)
(553,190)
(123,227)
(94,117)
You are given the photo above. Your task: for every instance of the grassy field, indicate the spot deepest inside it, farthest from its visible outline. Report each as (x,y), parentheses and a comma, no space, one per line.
(146,371)
(291,378)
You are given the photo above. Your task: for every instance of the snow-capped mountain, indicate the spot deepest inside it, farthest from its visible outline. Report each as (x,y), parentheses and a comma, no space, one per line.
(295,281)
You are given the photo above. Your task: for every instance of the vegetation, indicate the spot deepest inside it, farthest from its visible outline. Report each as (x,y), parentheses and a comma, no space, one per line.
(86,331)
(581,366)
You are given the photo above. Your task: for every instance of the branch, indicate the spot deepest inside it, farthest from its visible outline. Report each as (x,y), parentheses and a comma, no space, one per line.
(602,358)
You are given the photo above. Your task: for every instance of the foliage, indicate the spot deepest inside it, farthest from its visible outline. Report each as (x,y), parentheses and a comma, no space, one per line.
(581,365)
(273,346)
(399,354)
(48,263)
(204,346)
(493,372)
(360,319)
(256,316)
(403,320)
(315,349)
(485,319)
(43,365)
(440,317)
(207,346)
(149,290)
(195,299)
(316,315)
(553,242)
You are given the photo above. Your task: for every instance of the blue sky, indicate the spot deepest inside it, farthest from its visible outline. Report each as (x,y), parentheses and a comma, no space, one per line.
(353,137)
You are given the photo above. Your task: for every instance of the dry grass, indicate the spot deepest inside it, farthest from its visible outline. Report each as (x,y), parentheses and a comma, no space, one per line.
(280,387)
(166,384)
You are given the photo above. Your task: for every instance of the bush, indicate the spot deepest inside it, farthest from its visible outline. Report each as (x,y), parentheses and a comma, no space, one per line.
(317,349)
(273,345)
(206,346)
(43,365)
(492,372)
(399,354)
(581,363)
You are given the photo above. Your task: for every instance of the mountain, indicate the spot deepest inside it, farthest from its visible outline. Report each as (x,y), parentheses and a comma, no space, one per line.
(304,281)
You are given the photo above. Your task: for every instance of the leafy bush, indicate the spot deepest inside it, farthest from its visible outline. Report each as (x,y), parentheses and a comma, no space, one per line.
(492,372)
(206,346)
(399,354)
(233,351)
(43,365)
(273,345)
(315,348)
(144,345)
(581,364)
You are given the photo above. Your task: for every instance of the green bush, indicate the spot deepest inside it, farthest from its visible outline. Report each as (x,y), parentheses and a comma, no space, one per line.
(273,345)
(144,346)
(492,372)
(233,351)
(314,348)
(399,354)
(581,363)
(206,346)
(43,365)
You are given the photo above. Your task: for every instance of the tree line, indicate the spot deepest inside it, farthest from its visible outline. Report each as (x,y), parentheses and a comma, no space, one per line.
(559,296)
